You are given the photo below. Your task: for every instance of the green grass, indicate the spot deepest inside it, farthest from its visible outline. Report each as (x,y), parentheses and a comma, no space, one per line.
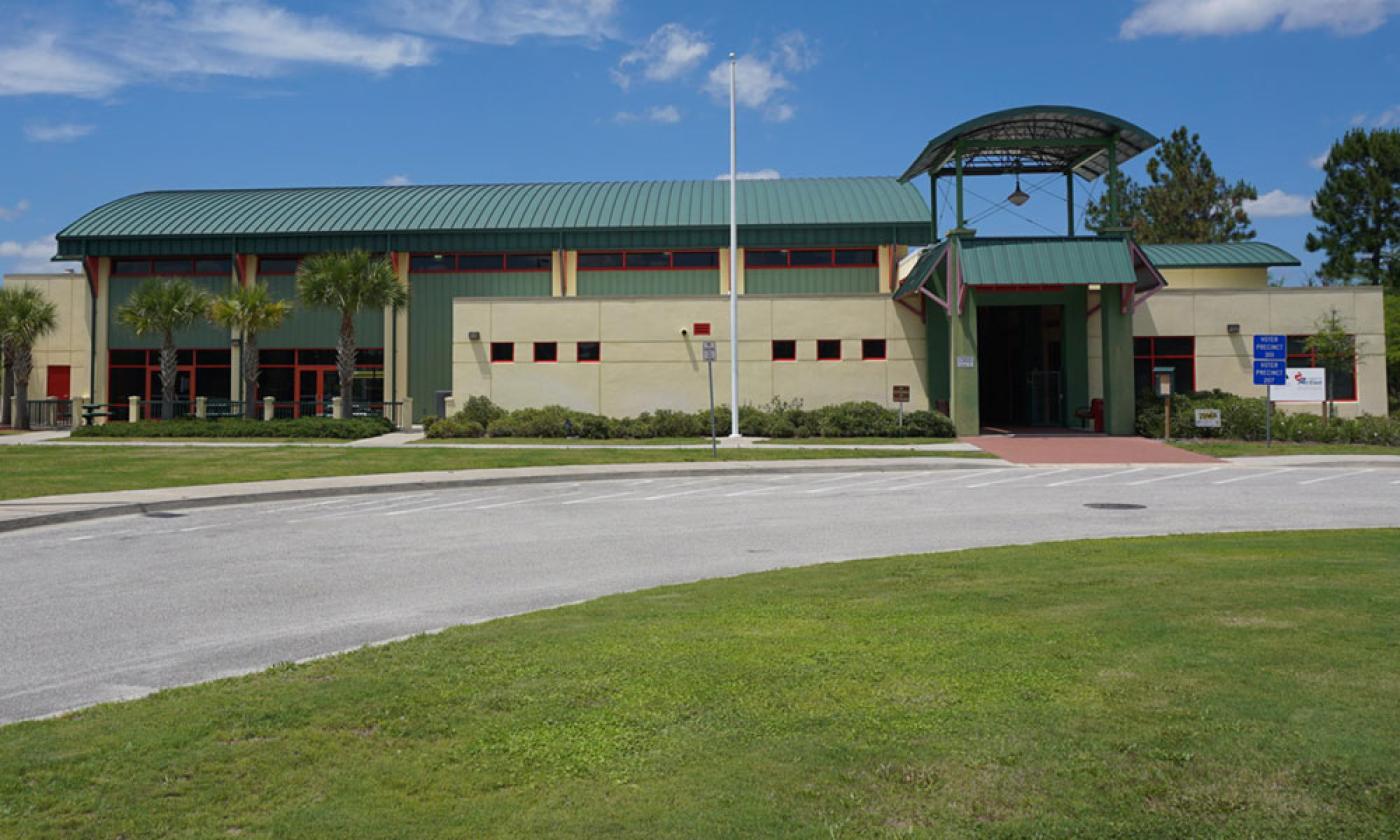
(29,471)
(1245,448)
(1220,686)
(519,441)
(861,441)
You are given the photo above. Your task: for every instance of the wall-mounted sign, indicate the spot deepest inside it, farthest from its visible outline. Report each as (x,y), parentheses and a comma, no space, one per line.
(701,328)
(967,361)
(1207,418)
(1303,385)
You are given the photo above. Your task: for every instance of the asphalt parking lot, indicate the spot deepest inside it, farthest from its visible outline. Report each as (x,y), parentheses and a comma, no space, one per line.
(117,608)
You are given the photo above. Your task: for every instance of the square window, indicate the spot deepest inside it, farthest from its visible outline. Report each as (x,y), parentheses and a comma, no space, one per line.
(502,351)
(546,351)
(828,349)
(784,350)
(872,349)
(590,351)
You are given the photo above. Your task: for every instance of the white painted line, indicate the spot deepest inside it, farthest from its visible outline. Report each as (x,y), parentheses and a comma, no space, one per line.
(1338,475)
(339,501)
(681,492)
(1032,474)
(80,539)
(527,500)
(1170,477)
(1095,477)
(839,477)
(957,474)
(591,499)
(1253,475)
(443,505)
(195,528)
(830,488)
(755,491)
(364,508)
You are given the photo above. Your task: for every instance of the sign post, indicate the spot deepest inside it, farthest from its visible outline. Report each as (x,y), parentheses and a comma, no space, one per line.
(707,350)
(900,397)
(1270,369)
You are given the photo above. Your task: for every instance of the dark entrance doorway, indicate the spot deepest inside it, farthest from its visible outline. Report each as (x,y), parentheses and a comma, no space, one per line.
(1020,365)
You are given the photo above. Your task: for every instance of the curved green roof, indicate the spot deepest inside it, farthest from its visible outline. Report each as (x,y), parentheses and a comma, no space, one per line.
(1218,255)
(503,207)
(1035,123)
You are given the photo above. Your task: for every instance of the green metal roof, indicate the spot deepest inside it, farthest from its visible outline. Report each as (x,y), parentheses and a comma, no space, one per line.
(1046,261)
(1218,255)
(503,207)
(922,270)
(1035,123)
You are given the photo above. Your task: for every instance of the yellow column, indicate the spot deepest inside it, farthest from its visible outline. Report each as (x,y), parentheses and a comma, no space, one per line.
(556,272)
(570,278)
(399,341)
(724,271)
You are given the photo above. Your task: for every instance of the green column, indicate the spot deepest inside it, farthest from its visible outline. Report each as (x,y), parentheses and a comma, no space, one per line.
(967,414)
(1117,329)
(1075,356)
(936,346)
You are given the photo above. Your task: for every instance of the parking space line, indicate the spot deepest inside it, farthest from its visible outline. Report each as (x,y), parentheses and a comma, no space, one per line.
(443,505)
(1095,477)
(1253,475)
(1032,474)
(862,485)
(527,500)
(1170,477)
(1338,475)
(957,474)
(679,492)
(599,498)
(364,507)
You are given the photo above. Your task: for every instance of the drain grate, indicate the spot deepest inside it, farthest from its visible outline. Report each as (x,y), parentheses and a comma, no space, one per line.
(1114,506)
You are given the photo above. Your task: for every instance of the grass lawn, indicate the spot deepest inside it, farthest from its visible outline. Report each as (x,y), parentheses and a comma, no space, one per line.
(27,471)
(1222,686)
(1242,448)
(520,441)
(862,441)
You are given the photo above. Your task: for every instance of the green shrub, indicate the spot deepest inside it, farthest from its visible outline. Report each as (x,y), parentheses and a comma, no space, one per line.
(857,419)
(1243,418)
(928,424)
(481,410)
(353,428)
(428,423)
(456,426)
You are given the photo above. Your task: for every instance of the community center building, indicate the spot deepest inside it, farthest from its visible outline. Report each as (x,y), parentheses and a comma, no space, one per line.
(598,296)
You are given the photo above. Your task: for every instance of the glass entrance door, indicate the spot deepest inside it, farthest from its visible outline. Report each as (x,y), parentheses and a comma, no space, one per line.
(315,388)
(184,392)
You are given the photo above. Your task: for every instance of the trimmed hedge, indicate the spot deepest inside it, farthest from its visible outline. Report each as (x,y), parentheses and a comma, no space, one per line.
(353,428)
(1242,418)
(480,417)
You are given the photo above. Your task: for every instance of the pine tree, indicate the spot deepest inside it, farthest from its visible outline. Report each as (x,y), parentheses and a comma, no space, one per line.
(1358,209)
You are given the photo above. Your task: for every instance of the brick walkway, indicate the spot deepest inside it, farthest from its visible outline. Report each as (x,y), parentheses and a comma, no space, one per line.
(1084,449)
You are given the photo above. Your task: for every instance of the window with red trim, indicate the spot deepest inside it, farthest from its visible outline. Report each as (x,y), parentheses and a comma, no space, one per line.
(872,349)
(810,258)
(496,262)
(784,350)
(546,351)
(174,267)
(502,351)
(1174,351)
(648,260)
(589,351)
(278,266)
(828,349)
(1342,383)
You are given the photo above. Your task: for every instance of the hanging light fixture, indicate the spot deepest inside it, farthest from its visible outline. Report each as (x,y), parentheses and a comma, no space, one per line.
(1020,196)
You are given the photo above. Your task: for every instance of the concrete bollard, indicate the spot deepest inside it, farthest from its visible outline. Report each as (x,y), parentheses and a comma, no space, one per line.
(14,411)
(406,414)
(337,408)
(201,408)
(449,406)
(269,408)
(133,409)
(75,416)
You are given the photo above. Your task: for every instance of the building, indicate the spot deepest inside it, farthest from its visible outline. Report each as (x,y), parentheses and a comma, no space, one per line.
(599,295)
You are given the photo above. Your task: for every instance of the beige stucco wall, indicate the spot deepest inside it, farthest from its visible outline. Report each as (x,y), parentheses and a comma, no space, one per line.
(1225,361)
(70,344)
(647,363)
(1216,278)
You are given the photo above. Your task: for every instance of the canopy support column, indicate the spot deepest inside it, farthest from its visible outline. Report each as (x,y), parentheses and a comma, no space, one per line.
(1116,329)
(1069,201)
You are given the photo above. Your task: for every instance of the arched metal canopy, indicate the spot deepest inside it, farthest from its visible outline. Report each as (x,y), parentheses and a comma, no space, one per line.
(1035,138)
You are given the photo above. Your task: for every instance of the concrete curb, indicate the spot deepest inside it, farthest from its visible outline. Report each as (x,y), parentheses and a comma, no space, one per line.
(385,484)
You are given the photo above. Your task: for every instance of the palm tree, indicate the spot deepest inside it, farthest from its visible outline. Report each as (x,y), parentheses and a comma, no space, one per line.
(164,306)
(349,283)
(249,310)
(25,316)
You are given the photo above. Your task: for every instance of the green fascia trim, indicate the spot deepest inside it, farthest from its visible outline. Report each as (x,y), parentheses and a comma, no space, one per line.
(202,335)
(812,281)
(315,328)
(647,283)
(1086,123)
(903,233)
(1046,261)
(1218,255)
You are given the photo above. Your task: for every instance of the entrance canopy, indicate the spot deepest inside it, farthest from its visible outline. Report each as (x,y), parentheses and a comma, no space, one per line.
(1034,138)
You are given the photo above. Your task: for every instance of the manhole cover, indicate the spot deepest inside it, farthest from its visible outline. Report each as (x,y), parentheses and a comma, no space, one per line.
(1114,506)
(163,515)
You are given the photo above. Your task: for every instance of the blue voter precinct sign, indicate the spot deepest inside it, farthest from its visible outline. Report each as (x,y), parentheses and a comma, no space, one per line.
(1270,372)
(1270,347)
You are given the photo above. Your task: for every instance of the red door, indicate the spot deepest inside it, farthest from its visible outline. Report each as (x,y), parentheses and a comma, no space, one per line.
(59,382)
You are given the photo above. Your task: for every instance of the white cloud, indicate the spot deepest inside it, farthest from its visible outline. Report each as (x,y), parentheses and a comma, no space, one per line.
(397,181)
(755,175)
(760,80)
(663,114)
(1389,118)
(1277,204)
(1230,17)
(9,214)
(29,257)
(39,65)
(506,21)
(1319,161)
(667,54)
(47,132)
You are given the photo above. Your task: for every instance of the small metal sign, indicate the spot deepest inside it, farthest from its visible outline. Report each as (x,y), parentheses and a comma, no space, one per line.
(1271,347)
(967,361)
(707,350)
(901,393)
(1270,372)
(1207,418)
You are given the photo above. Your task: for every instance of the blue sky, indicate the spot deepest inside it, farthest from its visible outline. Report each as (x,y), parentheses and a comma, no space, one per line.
(103,99)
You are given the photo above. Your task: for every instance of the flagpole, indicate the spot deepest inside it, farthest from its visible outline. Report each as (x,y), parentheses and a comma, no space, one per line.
(733,265)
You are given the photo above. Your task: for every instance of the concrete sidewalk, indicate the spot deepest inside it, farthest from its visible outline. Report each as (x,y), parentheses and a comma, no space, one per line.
(18,514)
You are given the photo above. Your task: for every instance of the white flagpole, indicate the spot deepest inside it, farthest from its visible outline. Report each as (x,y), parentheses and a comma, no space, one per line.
(733,266)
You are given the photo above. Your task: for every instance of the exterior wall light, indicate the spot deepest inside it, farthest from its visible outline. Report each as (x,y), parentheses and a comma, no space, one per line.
(1232,329)
(473,336)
